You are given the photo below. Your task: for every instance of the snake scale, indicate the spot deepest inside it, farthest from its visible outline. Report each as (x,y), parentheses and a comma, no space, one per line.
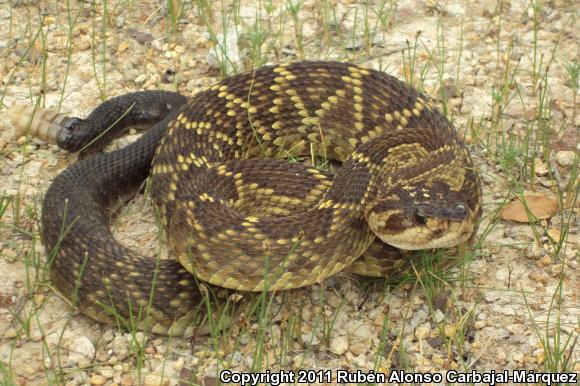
(236,212)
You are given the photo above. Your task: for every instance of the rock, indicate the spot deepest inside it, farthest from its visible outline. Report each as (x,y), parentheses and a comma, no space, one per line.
(119,21)
(479,324)
(541,167)
(80,378)
(140,80)
(557,269)
(436,342)
(98,380)
(310,339)
(360,361)
(226,53)
(540,205)
(363,332)
(10,333)
(108,336)
(438,316)
(447,90)
(565,157)
(31,54)
(107,372)
(358,348)
(81,350)
(539,277)
(141,37)
(450,330)
(179,363)
(126,380)
(339,345)
(518,357)
(82,44)
(422,331)
(120,347)
(155,380)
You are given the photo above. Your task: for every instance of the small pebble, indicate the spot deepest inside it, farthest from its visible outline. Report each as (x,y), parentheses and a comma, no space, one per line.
(178,364)
(126,380)
(119,21)
(438,316)
(82,44)
(106,372)
(98,380)
(565,157)
(83,345)
(10,333)
(141,37)
(539,277)
(339,345)
(422,331)
(358,348)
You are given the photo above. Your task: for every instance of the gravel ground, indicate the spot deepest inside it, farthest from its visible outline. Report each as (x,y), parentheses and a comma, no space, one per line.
(505,84)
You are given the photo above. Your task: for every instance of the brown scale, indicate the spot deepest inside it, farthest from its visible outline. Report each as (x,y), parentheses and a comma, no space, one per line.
(353,106)
(406,177)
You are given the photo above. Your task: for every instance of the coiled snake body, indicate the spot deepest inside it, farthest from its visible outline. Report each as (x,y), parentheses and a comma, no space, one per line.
(239,215)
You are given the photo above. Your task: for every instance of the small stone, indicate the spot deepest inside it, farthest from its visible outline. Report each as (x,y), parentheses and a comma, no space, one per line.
(98,380)
(360,361)
(339,345)
(447,90)
(119,21)
(554,234)
(10,333)
(565,157)
(422,331)
(518,357)
(541,167)
(438,316)
(557,269)
(178,364)
(540,356)
(544,261)
(141,37)
(81,348)
(123,46)
(155,380)
(126,380)
(82,363)
(228,44)
(436,342)
(450,330)
(82,44)
(479,324)
(140,80)
(29,54)
(539,277)
(108,336)
(363,332)
(358,348)
(310,339)
(106,372)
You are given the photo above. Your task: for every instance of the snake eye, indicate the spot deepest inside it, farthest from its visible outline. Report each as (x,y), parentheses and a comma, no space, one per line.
(419,218)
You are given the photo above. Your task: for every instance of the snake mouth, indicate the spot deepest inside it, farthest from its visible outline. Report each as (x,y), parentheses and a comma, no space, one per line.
(401,231)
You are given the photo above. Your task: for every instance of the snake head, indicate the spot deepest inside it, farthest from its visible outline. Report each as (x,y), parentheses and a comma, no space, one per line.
(67,137)
(421,217)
